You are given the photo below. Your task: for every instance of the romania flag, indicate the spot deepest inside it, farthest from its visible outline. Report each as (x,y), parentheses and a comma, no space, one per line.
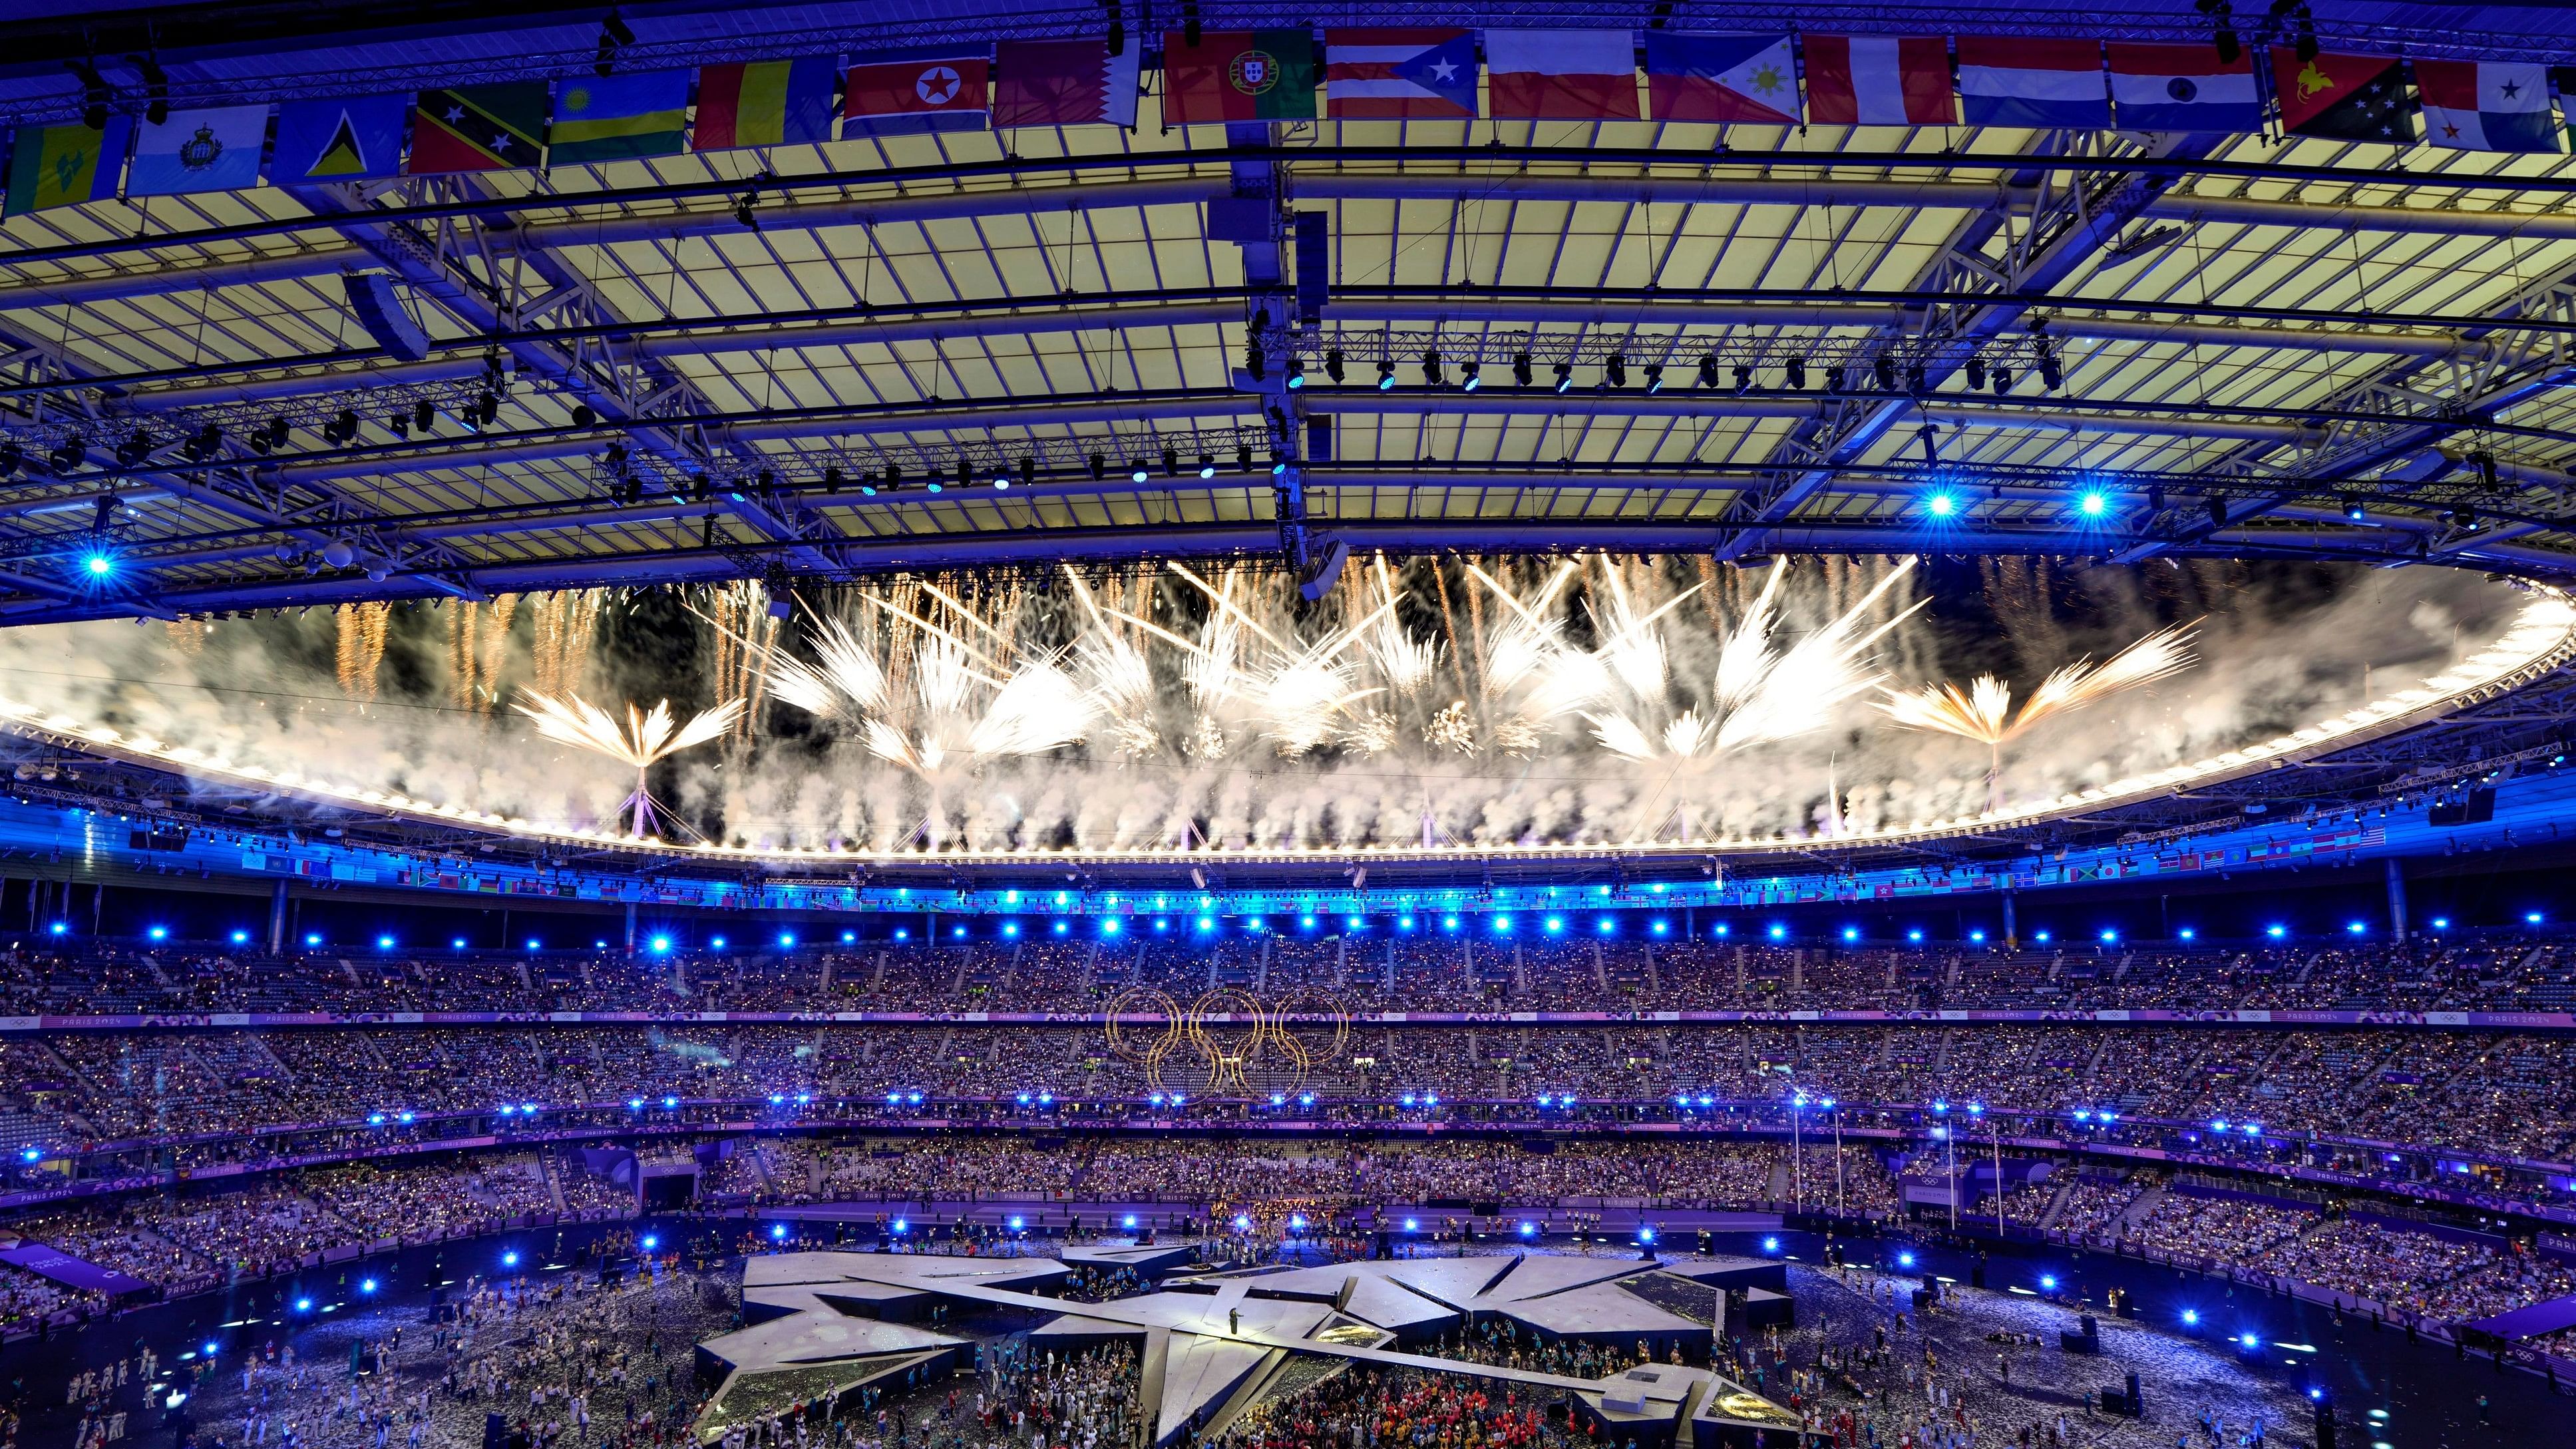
(765,103)
(66,165)
(618,117)
(479,128)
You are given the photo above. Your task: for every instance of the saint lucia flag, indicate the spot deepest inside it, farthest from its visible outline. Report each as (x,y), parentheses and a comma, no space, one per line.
(210,150)
(2479,105)
(66,165)
(345,139)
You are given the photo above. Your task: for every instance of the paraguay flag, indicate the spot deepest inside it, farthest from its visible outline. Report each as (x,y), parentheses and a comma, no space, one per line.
(2183,88)
(2479,105)
(2044,84)
(1399,75)
(1722,78)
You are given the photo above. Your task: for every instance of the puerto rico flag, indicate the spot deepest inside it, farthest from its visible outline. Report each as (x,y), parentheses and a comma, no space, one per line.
(2044,84)
(2479,105)
(1879,80)
(932,91)
(2183,88)
(1399,75)
(1562,75)
(1722,78)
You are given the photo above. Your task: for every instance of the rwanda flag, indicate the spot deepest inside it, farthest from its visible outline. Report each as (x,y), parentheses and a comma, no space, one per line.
(619,117)
(765,103)
(479,128)
(346,138)
(66,165)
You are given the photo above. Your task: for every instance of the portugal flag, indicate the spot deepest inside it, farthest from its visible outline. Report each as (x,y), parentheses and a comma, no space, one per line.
(2344,97)
(1239,75)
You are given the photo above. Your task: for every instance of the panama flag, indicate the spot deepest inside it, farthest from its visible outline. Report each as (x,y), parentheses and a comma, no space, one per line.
(1879,80)
(2184,88)
(1562,75)
(1722,78)
(2479,105)
(1399,75)
(2020,80)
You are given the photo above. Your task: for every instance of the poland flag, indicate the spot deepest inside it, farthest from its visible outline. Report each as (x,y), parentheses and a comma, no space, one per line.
(1562,75)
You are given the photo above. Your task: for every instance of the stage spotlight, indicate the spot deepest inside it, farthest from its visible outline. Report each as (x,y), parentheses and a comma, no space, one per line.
(1941,505)
(2093,504)
(1470,375)
(1795,370)
(1654,377)
(1708,371)
(1520,369)
(1614,370)
(1171,462)
(1884,369)
(1385,375)
(1296,372)
(1564,375)
(1743,378)
(1431,374)
(1333,364)
(1207,465)
(1254,362)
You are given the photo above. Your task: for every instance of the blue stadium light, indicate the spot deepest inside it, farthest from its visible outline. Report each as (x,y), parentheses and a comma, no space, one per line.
(1722,929)
(1061,928)
(1128,1221)
(804,1099)
(1778,931)
(1658,927)
(1770,1245)
(2354,927)
(670,1102)
(1356,923)
(1706,1100)
(1408,1099)
(1977,937)
(1941,505)
(2218,1126)
(1297,1222)
(1449,923)
(1940,1108)
(957,931)
(777,1232)
(1605,925)
(2048,1282)
(375,1119)
(1645,1235)
(1404,923)
(1411,1226)
(779,1099)
(1207,923)
(535,945)
(32,1154)
(718,943)
(1851,933)
(1305,923)
(303,1305)
(2276,932)
(902,1226)
(2441,923)
(915,1099)
(1242,1224)
(1010,928)
(1529,1230)
(159,933)
(2188,934)
(2083,1114)
(1976,1109)
(241,938)
(2531,918)
(1905,1260)
(366,1285)
(1502,925)
(99,563)
(1915,935)
(209,1349)
(651,1242)
(1431,1099)
(2040,936)
(2109,935)
(2094,503)
(786,939)
(384,943)
(659,945)
(634,1104)
(1305,1099)
(1555,925)
(2191,1318)
(848,937)
(404,1118)
(902,933)
(2249,1340)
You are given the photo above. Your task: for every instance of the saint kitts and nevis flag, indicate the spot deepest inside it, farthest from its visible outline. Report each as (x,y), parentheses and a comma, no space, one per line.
(498,127)
(1239,75)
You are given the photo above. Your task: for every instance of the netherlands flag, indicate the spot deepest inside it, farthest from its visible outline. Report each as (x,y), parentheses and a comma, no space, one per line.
(2044,84)
(1561,75)
(2478,105)
(2183,88)
(1879,80)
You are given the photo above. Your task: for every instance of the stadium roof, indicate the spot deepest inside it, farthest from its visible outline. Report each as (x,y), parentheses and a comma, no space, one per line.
(697,363)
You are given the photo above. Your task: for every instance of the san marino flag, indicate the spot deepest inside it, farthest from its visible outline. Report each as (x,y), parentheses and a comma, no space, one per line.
(208,150)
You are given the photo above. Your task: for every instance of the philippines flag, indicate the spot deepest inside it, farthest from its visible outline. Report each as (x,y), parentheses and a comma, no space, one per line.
(1399,75)
(1562,75)
(1879,80)
(2016,80)
(2479,105)
(1723,78)
(2183,88)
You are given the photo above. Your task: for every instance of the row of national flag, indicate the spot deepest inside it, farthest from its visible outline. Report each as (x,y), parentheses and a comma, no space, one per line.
(1297,73)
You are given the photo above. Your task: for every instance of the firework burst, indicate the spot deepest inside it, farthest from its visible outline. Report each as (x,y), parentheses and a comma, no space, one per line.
(640,741)
(1984,710)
